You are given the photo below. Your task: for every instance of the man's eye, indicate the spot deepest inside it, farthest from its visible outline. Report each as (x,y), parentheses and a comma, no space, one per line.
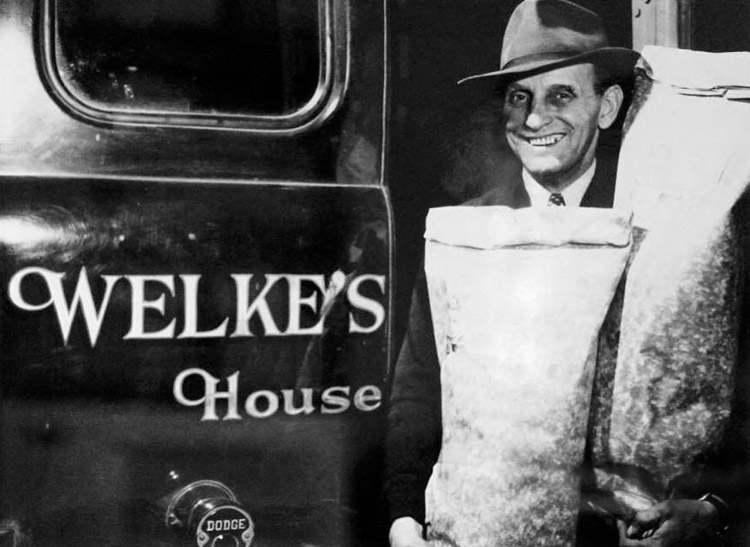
(562,97)
(517,99)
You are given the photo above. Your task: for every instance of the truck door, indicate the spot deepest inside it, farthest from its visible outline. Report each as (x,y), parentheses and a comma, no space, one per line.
(196,255)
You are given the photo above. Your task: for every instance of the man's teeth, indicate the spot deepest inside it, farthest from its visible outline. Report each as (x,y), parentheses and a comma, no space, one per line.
(544,141)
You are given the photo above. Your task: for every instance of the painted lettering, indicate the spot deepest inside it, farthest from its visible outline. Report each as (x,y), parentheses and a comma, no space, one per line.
(265,403)
(297,302)
(258,305)
(191,312)
(366,304)
(335,404)
(139,305)
(82,298)
(307,402)
(367,398)
(260,301)
(271,406)
(210,394)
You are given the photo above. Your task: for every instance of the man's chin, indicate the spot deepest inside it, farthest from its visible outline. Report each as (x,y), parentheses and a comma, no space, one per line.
(543,169)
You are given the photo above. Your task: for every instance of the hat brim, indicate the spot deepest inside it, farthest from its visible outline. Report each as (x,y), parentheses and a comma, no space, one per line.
(619,61)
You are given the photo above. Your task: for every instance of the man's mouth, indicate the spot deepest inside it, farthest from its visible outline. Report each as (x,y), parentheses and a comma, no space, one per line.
(547,140)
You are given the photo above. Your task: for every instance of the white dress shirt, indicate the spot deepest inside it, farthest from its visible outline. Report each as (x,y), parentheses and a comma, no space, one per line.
(572,194)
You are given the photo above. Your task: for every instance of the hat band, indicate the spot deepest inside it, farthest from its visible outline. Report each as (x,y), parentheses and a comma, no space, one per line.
(535,58)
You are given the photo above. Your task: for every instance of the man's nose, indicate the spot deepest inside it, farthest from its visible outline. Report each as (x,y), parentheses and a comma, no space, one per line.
(538,115)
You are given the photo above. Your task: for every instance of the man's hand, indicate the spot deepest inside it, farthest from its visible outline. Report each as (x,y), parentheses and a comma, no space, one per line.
(672,523)
(406,532)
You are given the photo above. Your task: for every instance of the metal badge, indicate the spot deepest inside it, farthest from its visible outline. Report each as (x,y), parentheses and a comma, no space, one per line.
(225,525)
(209,511)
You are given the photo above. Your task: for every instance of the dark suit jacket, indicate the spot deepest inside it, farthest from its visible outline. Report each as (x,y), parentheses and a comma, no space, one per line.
(600,193)
(415,425)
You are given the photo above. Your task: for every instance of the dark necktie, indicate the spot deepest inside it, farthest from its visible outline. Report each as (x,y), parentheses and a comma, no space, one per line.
(557,200)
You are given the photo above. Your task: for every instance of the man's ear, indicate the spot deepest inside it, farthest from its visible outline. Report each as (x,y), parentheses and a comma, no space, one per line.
(611,102)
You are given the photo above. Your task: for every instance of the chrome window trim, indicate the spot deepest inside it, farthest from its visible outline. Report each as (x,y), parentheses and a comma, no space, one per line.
(332,83)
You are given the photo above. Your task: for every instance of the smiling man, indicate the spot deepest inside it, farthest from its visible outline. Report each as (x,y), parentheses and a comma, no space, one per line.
(559,84)
(553,121)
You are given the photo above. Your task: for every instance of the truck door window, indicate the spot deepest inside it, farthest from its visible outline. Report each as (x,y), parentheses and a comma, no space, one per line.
(207,60)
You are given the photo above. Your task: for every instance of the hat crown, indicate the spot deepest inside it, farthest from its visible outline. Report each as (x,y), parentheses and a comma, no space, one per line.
(550,29)
(544,35)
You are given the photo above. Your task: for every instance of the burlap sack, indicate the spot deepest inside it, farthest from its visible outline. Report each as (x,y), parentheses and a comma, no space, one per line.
(684,167)
(517,300)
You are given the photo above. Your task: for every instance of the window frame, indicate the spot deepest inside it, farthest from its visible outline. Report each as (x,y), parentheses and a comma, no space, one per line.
(332,83)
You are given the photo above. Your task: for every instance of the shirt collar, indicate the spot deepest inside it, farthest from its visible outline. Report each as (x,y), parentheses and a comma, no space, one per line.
(573,193)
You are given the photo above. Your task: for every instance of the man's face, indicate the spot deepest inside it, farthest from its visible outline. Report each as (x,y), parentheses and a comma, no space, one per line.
(552,122)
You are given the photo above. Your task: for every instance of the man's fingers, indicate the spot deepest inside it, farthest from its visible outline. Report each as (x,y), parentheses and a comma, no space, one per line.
(639,532)
(645,522)
(406,532)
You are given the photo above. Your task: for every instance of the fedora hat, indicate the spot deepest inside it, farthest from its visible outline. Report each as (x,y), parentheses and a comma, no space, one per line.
(546,34)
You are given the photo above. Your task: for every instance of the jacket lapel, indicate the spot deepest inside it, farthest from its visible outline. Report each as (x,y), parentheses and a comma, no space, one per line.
(601,191)
(510,194)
